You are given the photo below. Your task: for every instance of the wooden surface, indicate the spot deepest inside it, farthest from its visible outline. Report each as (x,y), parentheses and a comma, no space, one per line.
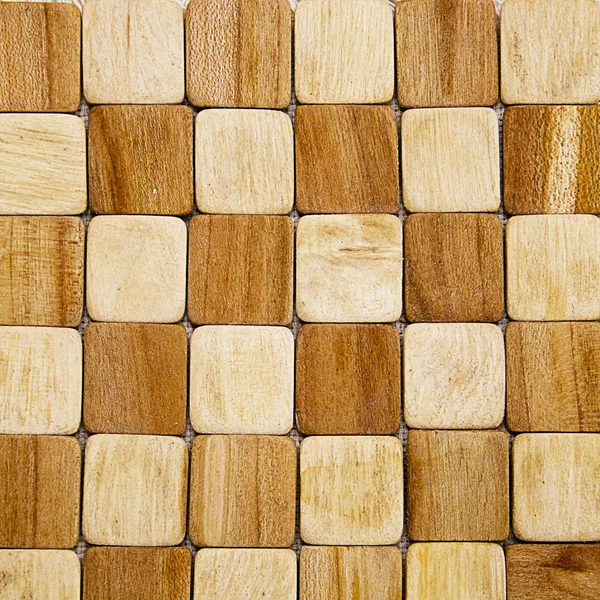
(351,490)
(454,267)
(348,379)
(135,378)
(243,491)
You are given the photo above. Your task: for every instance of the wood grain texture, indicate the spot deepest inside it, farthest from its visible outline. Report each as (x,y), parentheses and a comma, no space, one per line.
(241,270)
(458,485)
(346,159)
(135,378)
(454,267)
(348,379)
(243,491)
(351,490)
(39,491)
(141,160)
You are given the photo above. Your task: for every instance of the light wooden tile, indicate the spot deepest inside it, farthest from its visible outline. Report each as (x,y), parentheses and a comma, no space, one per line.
(351,490)
(349,268)
(344,51)
(134,491)
(553,268)
(244,162)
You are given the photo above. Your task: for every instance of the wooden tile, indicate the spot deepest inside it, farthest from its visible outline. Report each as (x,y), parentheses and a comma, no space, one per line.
(450,160)
(550,53)
(141,160)
(458,485)
(349,268)
(446,53)
(136,269)
(243,491)
(135,378)
(553,268)
(344,52)
(454,268)
(556,487)
(551,159)
(241,270)
(40,386)
(348,379)
(39,491)
(351,490)
(242,379)
(453,376)
(244,162)
(41,271)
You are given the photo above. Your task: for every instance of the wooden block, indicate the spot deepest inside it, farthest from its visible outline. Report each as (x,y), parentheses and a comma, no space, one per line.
(141,160)
(134,491)
(349,268)
(454,267)
(453,376)
(241,270)
(458,485)
(243,491)
(446,53)
(135,378)
(41,271)
(553,268)
(136,268)
(450,160)
(242,379)
(244,162)
(550,52)
(344,52)
(39,491)
(556,487)
(239,54)
(351,490)
(346,159)
(348,379)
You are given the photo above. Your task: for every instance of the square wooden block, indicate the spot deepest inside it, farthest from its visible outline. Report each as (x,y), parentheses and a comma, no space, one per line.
(344,52)
(136,268)
(349,268)
(351,490)
(243,491)
(40,480)
(244,162)
(348,379)
(135,378)
(241,270)
(446,53)
(454,267)
(450,160)
(453,376)
(550,52)
(458,485)
(41,271)
(135,490)
(141,160)
(553,268)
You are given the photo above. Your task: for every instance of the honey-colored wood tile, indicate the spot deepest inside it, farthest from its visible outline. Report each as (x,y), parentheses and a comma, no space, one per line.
(454,267)
(344,52)
(241,270)
(41,271)
(351,490)
(458,485)
(243,491)
(348,379)
(39,491)
(349,268)
(141,160)
(135,378)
